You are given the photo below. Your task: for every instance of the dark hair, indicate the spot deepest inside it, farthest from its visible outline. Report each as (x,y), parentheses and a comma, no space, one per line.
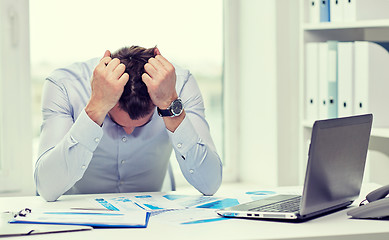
(135,99)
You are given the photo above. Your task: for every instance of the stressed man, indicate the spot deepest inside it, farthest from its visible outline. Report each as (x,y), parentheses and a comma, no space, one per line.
(110,124)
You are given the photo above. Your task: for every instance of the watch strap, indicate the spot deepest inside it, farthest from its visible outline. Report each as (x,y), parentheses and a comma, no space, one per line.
(164,112)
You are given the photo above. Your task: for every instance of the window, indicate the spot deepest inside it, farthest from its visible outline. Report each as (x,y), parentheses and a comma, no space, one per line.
(188,33)
(15,127)
(1,137)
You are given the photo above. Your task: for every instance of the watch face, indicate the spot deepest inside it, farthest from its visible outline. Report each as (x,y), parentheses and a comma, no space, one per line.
(176,107)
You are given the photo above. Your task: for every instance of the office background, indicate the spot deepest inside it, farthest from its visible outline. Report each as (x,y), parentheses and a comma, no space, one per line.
(245,54)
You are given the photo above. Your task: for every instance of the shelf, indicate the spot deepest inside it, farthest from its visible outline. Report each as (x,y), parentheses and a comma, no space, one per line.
(346,25)
(320,32)
(375,132)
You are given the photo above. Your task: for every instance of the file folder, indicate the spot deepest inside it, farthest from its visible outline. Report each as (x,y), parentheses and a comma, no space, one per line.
(372,80)
(311,82)
(13,230)
(323,80)
(324,10)
(332,79)
(345,79)
(127,219)
(359,10)
(314,11)
(336,10)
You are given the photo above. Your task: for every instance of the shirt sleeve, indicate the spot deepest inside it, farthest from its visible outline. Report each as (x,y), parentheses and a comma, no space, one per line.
(193,144)
(66,144)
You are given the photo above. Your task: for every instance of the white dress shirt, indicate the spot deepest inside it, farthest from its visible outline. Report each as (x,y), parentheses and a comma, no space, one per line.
(78,156)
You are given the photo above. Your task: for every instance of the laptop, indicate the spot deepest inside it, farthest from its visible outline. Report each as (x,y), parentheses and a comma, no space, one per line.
(336,163)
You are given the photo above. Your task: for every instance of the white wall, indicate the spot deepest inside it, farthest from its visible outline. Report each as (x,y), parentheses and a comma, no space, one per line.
(377,161)
(288,91)
(265,66)
(258,92)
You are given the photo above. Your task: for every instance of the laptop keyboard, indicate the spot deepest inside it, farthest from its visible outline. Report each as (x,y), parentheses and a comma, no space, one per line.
(289,205)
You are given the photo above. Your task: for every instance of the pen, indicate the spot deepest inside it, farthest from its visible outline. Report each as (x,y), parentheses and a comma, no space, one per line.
(92,209)
(139,205)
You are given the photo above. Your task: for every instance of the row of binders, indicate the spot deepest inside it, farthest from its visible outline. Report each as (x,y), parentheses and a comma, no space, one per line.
(347,10)
(347,78)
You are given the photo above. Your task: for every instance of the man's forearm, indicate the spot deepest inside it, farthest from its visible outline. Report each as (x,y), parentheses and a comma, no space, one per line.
(205,174)
(172,123)
(196,155)
(64,158)
(95,113)
(60,168)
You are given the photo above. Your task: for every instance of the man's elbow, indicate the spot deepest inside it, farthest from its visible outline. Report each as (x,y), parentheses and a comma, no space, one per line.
(47,195)
(211,189)
(45,191)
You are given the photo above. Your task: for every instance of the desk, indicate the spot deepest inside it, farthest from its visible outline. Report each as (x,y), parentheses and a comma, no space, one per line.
(334,226)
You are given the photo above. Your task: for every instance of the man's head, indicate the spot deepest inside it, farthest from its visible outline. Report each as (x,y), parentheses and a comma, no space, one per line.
(135,106)
(135,99)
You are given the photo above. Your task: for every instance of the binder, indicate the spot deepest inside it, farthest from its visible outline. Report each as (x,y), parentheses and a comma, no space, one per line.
(13,230)
(323,80)
(314,11)
(345,79)
(324,10)
(332,79)
(359,10)
(127,219)
(311,82)
(372,80)
(336,10)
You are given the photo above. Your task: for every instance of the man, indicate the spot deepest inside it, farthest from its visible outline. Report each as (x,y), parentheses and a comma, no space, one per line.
(109,126)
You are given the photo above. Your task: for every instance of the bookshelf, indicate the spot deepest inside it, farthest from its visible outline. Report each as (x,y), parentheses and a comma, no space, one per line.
(367,24)
(367,30)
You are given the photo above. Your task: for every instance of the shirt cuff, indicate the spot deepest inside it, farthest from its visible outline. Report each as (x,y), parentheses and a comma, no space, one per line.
(86,132)
(184,137)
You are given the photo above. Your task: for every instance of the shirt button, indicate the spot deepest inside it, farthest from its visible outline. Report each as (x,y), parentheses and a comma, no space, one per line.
(124,139)
(191,171)
(122,161)
(83,166)
(179,145)
(121,182)
(97,140)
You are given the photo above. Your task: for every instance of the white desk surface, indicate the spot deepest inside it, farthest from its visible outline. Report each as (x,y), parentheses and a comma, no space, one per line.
(334,226)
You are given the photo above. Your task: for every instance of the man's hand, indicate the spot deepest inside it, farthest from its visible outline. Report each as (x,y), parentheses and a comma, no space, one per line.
(108,83)
(160,79)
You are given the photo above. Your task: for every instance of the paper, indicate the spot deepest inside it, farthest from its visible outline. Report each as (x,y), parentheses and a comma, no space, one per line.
(156,202)
(144,202)
(188,216)
(171,208)
(220,204)
(189,201)
(181,209)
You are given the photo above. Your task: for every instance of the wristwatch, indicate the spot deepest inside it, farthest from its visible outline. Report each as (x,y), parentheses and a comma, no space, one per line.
(174,110)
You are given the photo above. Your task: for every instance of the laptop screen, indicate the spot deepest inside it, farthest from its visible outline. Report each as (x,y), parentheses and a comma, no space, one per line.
(336,162)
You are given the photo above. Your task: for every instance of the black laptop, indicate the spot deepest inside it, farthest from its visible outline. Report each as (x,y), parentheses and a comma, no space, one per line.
(336,163)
